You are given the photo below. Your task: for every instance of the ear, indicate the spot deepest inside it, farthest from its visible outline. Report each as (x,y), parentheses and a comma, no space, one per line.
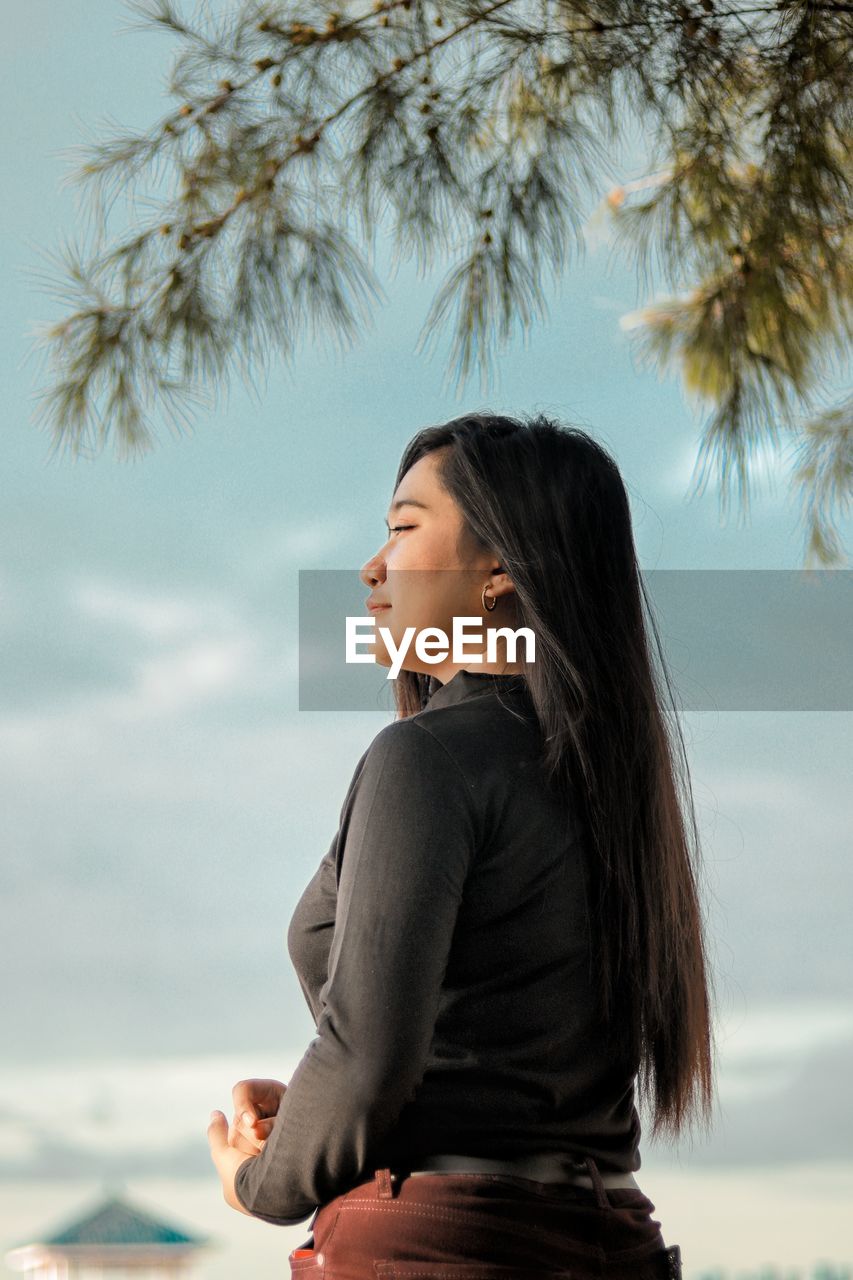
(502,584)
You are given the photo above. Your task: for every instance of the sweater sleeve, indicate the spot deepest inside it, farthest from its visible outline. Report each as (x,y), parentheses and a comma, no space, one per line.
(404,847)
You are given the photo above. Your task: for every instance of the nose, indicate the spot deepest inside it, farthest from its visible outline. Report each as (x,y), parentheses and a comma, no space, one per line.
(373,571)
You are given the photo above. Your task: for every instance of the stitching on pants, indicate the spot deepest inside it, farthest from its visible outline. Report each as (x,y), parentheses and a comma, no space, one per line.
(477,1272)
(591,1251)
(419,1210)
(439,1212)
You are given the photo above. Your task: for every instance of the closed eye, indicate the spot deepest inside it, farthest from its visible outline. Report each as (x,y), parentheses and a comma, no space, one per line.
(397,527)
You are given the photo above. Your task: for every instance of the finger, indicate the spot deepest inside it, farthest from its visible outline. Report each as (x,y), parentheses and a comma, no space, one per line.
(242,1096)
(245,1117)
(217,1130)
(257,1095)
(256,1134)
(261,1124)
(244,1122)
(245,1141)
(247,1145)
(261,1132)
(252,1127)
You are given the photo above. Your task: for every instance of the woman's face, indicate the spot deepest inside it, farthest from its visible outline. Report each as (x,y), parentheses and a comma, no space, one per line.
(428,571)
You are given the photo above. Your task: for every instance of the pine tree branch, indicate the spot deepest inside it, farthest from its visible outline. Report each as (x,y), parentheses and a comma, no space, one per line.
(479,127)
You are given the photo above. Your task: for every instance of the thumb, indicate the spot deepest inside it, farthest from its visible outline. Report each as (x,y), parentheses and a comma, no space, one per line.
(217,1130)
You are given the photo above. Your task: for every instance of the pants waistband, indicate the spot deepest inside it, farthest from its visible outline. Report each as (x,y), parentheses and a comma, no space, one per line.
(542,1167)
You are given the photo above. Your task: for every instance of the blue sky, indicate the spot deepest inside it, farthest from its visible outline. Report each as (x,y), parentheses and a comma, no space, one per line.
(165,801)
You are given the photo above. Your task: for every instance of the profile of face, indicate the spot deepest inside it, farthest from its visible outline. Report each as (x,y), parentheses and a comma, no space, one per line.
(430,570)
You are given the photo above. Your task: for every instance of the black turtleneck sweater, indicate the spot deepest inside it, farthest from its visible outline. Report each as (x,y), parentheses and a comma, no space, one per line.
(443,949)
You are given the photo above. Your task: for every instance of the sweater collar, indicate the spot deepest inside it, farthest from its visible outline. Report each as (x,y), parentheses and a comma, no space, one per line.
(470,684)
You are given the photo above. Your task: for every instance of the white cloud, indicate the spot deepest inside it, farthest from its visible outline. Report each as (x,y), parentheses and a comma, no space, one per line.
(768,789)
(762,1048)
(203,650)
(767,470)
(187,676)
(157,616)
(155,1104)
(152,1104)
(779,805)
(277,548)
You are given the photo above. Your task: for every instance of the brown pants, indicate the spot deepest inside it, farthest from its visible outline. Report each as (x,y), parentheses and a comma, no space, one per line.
(476,1226)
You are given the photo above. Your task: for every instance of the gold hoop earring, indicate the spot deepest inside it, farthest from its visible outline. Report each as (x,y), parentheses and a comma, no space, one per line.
(488,607)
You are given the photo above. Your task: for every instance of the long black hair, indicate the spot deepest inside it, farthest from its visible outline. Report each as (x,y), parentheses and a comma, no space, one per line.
(549,501)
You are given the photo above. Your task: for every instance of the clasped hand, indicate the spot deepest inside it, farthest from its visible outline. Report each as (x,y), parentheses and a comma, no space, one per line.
(256,1104)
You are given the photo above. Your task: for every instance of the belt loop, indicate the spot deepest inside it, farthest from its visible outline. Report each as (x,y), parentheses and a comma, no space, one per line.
(385,1179)
(600,1191)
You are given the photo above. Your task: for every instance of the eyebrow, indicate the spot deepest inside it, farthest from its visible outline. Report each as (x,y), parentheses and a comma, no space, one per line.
(406,502)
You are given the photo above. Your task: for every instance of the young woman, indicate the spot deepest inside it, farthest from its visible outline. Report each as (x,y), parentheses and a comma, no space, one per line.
(504,939)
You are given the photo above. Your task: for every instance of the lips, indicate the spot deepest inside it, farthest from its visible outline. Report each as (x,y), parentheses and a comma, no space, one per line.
(375,605)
